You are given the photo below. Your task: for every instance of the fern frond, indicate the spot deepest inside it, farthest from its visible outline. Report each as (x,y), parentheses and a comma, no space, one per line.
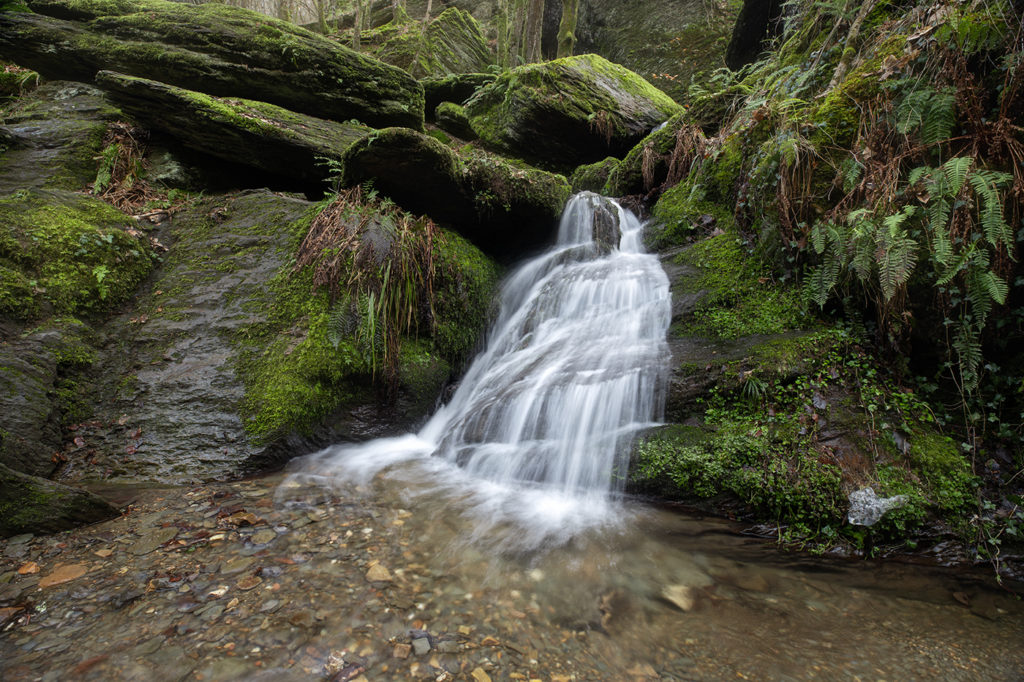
(939,117)
(955,171)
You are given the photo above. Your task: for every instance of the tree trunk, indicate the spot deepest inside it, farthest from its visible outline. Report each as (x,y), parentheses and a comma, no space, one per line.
(357,25)
(533,30)
(567,28)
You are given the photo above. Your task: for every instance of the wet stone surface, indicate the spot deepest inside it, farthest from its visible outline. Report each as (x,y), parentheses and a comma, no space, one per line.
(246,581)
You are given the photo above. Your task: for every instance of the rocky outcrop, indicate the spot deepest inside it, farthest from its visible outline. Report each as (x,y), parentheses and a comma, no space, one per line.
(256,134)
(567,112)
(29,504)
(220,50)
(504,209)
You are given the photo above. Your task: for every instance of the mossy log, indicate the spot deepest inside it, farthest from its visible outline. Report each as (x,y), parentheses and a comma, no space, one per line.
(505,210)
(568,112)
(29,504)
(217,49)
(245,132)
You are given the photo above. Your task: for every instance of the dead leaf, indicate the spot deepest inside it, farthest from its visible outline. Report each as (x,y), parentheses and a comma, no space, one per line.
(64,573)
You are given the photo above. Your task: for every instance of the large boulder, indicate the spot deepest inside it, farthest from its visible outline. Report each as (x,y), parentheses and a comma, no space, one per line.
(254,134)
(451,43)
(213,48)
(504,209)
(567,112)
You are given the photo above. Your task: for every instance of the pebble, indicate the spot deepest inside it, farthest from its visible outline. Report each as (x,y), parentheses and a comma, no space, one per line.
(421,646)
(263,537)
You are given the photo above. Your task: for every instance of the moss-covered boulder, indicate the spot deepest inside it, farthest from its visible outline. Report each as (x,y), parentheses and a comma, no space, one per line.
(568,112)
(451,43)
(453,88)
(213,48)
(51,137)
(504,209)
(256,134)
(29,504)
(66,254)
(452,118)
(592,177)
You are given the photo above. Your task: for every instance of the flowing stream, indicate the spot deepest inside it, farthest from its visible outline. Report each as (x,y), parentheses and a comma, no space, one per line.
(539,430)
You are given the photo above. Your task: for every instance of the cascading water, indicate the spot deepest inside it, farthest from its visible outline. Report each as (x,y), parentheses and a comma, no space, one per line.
(575,366)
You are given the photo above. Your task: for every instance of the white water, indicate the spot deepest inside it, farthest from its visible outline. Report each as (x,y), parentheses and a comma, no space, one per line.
(537,435)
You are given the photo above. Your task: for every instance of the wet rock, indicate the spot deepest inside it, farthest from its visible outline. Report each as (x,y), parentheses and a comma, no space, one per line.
(455,88)
(30,503)
(378,573)
(52,137)
(681,596)
(152,540)
(63,573)
(263,537)
(503,209)
(421,646)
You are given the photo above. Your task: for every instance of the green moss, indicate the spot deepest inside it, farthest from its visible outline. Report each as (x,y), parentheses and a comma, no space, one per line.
(741,297)
(76,253)
(593,176)
(581,103)
(463,296)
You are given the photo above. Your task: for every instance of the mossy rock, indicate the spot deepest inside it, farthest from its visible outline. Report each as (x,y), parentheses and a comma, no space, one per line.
(451,43)
(213,48)
(66,254)
(29,504)
(568,112)
(453,88)
(593,177)
(452,118)
(504,209)
(52,137)
(243,132)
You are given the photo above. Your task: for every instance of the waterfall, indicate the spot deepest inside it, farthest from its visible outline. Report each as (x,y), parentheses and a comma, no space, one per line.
(575,366)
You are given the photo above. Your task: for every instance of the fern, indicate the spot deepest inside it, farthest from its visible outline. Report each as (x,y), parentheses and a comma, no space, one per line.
(955,172)
(939,117)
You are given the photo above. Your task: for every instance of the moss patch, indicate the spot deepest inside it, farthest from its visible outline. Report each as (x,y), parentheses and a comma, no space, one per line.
(741,296)
(66,254)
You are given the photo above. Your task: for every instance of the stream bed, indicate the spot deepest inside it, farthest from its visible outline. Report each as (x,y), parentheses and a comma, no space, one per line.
(273,579)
